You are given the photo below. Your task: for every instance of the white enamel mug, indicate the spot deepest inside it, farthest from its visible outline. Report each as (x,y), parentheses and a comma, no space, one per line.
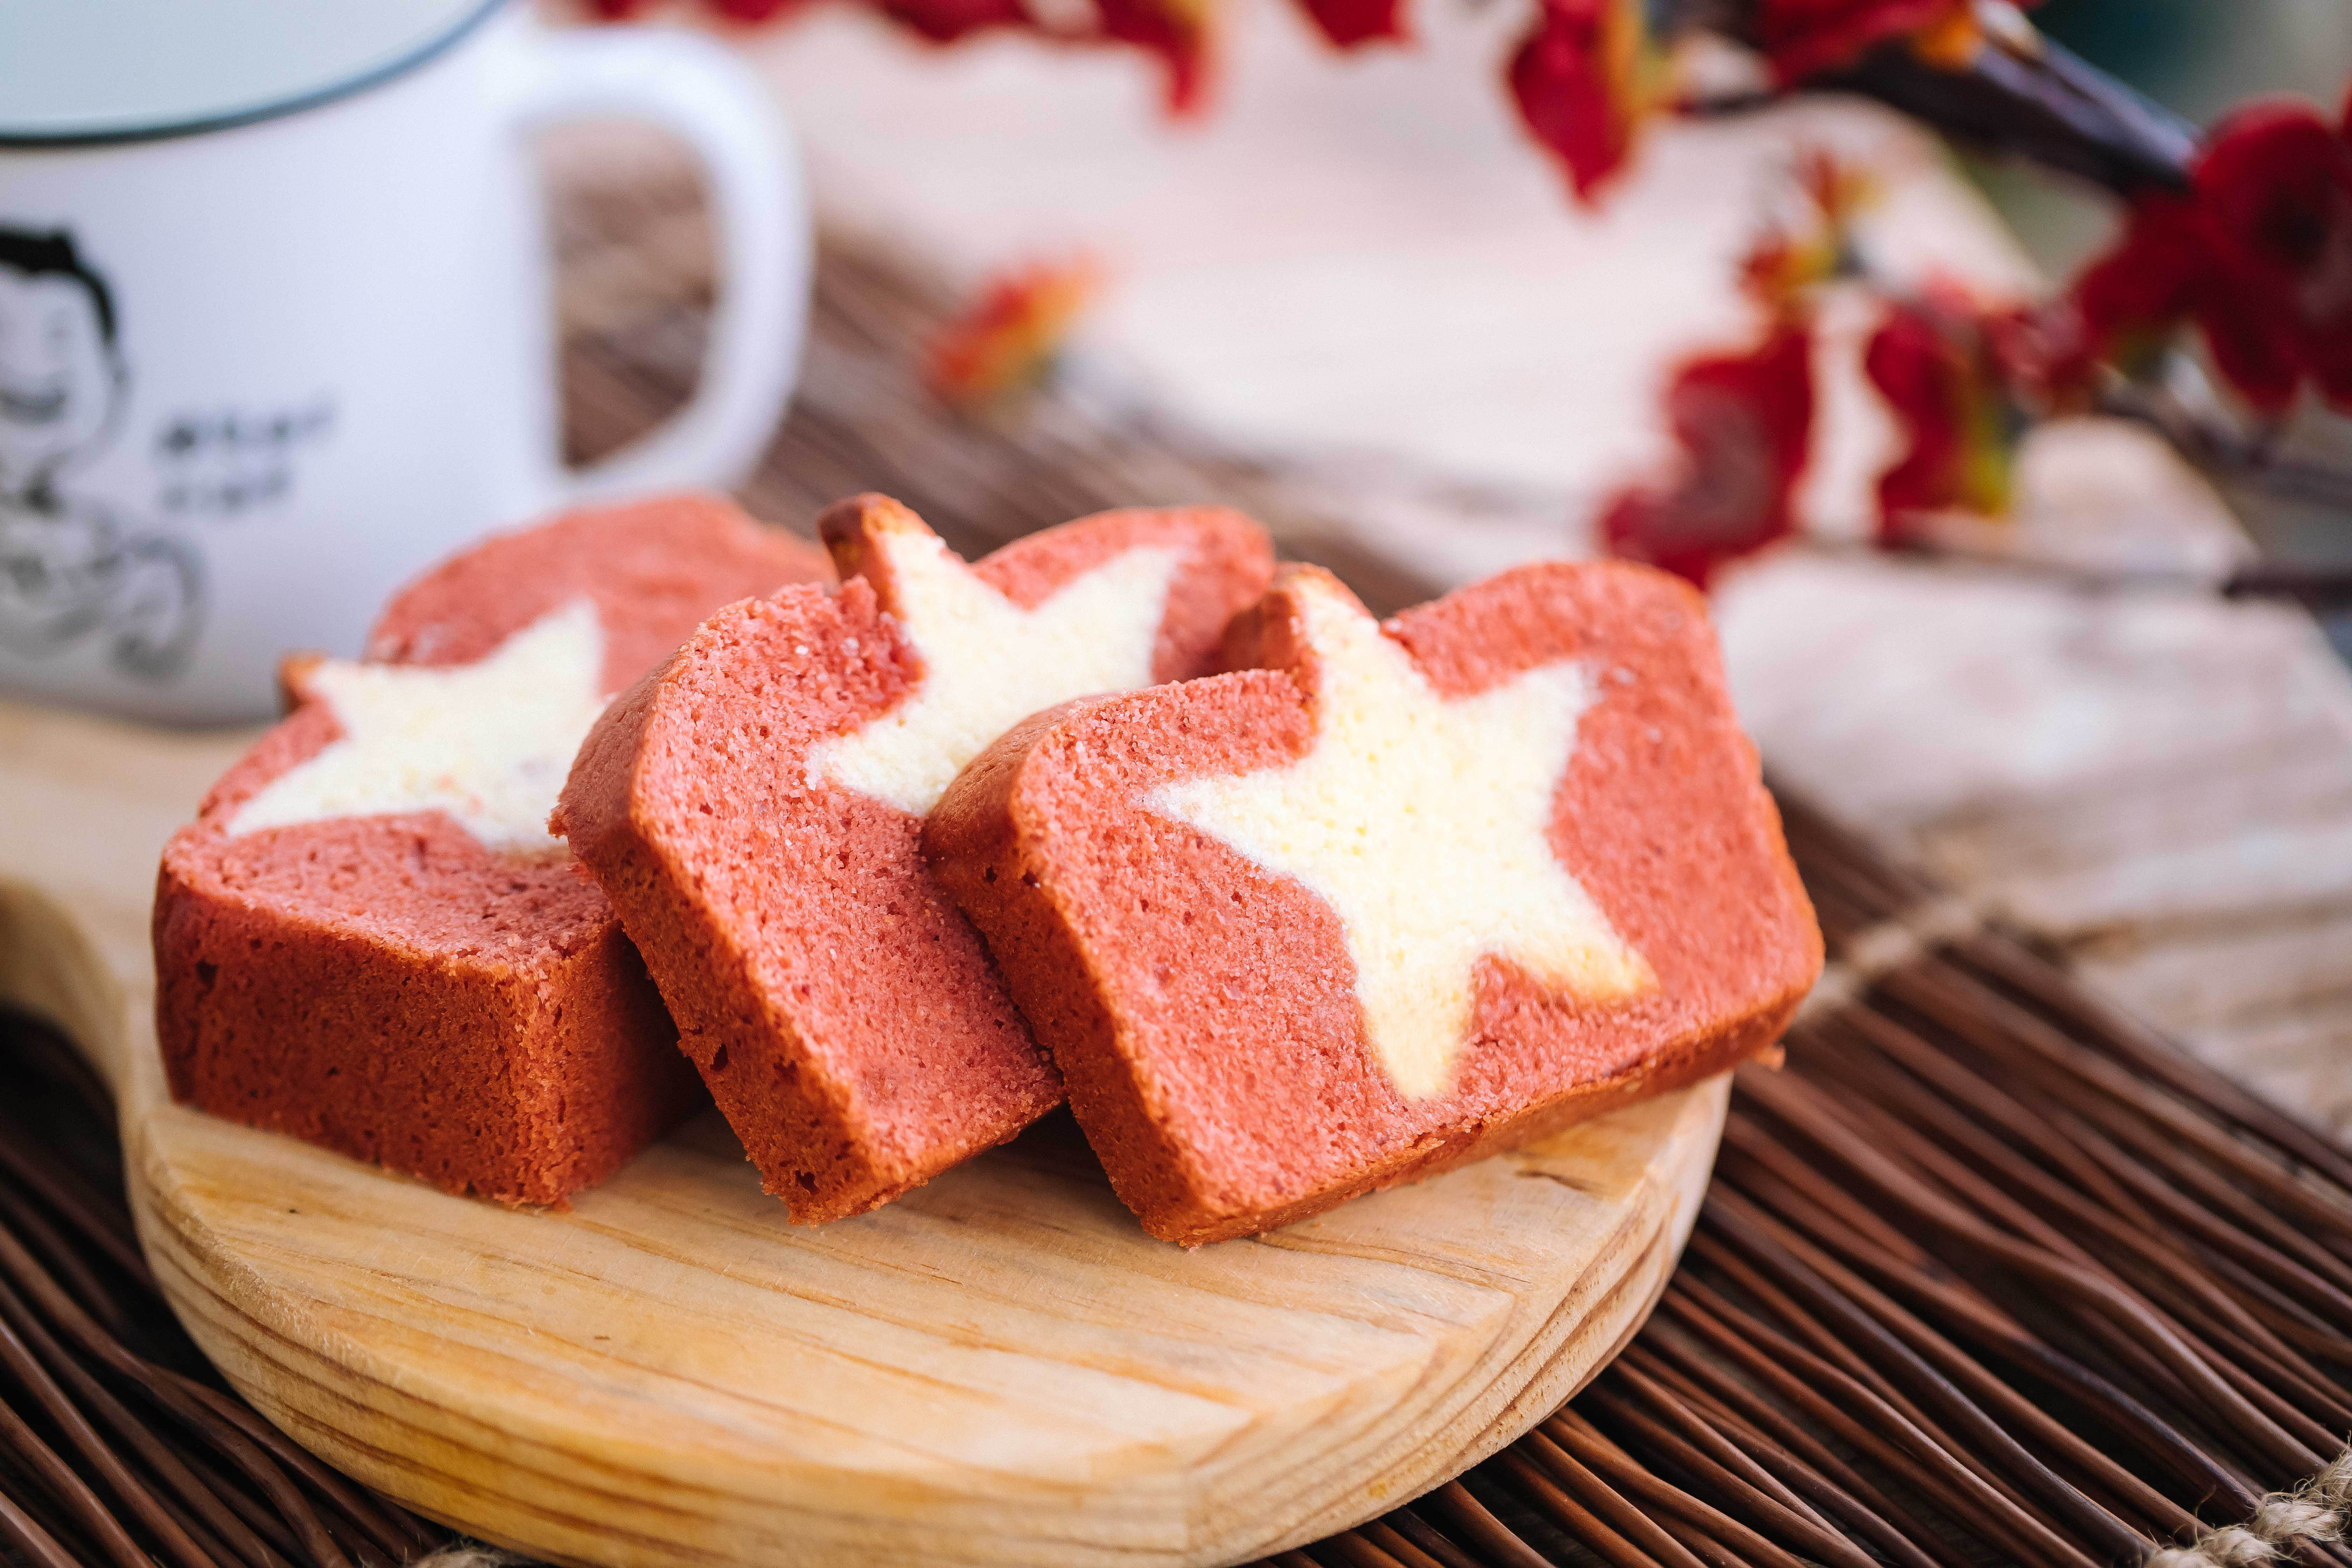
(275,326)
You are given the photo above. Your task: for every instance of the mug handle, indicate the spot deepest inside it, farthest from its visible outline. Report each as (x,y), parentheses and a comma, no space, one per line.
(758,209)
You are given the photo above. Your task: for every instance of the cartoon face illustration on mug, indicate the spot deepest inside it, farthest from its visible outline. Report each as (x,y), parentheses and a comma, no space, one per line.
(70,569)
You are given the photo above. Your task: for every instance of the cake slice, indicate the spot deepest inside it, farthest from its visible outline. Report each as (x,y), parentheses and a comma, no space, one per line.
(754,811)
(367,938)
(1385,898)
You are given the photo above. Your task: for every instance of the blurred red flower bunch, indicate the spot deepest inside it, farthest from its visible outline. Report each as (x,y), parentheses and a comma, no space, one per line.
(1963,388)
(1180,34)
(2257,253)
(1586,77)
(1588,74)
(1962,381)
(2247,237)
(1743,422)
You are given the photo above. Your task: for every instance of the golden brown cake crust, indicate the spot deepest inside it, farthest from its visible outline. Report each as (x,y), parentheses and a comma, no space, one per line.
(389,987)
(845,1016)
(1204,1012)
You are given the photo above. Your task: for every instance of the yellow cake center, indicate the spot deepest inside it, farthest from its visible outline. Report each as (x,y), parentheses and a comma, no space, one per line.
(1425,824)
(489,742)
(988,663)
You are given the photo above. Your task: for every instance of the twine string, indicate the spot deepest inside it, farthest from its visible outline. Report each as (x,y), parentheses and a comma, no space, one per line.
(1880,949)
(2312,1511)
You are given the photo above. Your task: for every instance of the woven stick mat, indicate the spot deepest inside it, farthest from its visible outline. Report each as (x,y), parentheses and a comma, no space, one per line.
(1988,1274)
(1991,1273)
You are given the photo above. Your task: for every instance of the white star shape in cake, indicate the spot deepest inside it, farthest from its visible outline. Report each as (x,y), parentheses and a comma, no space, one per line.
(988,663)
(1424,823)
(489,742)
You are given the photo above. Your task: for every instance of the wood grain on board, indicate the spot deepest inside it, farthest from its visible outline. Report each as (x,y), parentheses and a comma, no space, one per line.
(1000,1368)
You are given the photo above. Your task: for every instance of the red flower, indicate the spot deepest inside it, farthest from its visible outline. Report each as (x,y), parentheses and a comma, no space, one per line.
(2258,255)
(1181,32)
(1939,364)
(1743,423)
(1584,78)
(1801,37)
(1011,334)
(2130,298)
(945,21)
(1804,37)
(1347,23)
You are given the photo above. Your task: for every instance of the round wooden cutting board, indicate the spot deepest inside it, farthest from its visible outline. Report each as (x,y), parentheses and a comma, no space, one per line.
(1000,1368)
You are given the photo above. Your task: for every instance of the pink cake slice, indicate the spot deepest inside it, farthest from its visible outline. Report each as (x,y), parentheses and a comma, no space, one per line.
(1386,897)
(366,938)
(754,812)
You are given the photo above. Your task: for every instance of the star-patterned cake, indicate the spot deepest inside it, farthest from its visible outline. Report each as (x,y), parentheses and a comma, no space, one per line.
(754,812)
(368,939)
(1384,898)
(1294,903)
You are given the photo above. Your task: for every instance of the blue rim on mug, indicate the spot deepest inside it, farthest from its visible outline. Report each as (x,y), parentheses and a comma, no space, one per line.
(155,68)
